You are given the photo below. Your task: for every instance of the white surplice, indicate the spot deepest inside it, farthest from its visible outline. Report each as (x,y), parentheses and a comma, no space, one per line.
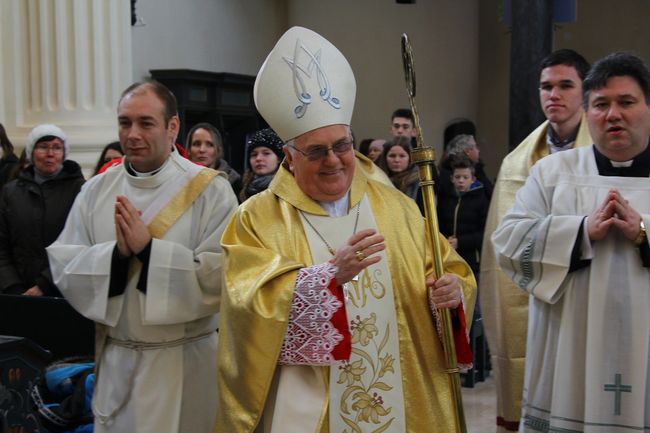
(588,354)
(165,382)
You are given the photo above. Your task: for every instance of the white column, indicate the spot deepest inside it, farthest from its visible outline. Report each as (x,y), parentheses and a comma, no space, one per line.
(64,62)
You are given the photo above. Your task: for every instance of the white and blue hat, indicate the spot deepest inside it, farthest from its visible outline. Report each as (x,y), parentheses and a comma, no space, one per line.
(305,83)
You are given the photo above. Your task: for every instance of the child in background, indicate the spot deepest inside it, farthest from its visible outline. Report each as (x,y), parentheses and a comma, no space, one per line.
(462,212)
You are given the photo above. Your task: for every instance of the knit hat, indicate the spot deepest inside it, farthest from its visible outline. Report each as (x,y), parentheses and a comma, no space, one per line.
(305,83)
(267,138)
(43,131)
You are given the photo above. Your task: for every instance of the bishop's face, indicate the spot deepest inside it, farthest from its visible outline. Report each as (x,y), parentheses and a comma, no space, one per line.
(327,178)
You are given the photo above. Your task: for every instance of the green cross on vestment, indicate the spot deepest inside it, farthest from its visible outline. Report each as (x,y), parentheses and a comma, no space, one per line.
(618,389)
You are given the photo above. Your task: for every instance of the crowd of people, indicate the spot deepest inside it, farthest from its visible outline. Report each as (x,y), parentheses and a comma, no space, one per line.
(298,295)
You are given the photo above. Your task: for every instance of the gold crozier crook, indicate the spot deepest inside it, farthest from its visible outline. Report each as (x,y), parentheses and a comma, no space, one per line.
(424,157)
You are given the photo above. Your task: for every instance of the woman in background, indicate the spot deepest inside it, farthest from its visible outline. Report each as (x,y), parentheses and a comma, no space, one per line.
(33,211)
(372,148)
(264,154)
(395,160)
(110,152)
(205,147)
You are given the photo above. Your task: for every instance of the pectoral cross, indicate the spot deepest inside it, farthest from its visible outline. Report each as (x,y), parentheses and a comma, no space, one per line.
(618,389)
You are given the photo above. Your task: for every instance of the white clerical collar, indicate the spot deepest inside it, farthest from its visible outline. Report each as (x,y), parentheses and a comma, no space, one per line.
(137,173)
(337,208)
(621,164)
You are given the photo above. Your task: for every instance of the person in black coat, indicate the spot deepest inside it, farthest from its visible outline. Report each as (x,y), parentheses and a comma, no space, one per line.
(8,159)
(264,154)
(33,211)
(462,212)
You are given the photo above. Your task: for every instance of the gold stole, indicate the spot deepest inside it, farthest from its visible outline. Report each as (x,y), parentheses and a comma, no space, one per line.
(178,204)
(365,394)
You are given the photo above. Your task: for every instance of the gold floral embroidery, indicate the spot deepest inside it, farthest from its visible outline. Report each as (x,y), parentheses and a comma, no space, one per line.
(362,378)
(363,330)
(351,372)
(371,408)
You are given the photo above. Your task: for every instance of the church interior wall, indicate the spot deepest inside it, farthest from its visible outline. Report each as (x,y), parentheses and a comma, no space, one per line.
(205,35)
(235,37)
(444,36)
(461,51)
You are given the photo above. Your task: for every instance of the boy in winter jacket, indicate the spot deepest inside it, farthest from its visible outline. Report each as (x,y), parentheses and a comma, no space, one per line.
(462,212)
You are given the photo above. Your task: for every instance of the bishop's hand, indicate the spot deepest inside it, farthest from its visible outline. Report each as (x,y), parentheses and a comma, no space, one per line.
(357,254)
(444,292)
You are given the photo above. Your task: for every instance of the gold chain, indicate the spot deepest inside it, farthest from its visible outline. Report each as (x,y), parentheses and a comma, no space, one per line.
(331,250)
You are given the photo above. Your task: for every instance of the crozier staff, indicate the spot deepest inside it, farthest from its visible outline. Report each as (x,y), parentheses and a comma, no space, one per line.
(327,302)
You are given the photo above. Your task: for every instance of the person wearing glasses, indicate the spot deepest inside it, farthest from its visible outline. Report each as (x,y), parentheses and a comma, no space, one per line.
(33,210)
(326,315)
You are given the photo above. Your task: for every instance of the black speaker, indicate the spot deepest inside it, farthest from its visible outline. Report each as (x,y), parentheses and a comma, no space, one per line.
(405,2)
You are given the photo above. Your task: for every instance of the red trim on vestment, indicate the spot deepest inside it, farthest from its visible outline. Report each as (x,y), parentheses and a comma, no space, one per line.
(109,164)
(463,350)
(343,350)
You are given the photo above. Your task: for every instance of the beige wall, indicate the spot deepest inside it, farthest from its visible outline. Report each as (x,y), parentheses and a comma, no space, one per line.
(235,36)
(207,35)
(461,51)
(602,27)
(444,35)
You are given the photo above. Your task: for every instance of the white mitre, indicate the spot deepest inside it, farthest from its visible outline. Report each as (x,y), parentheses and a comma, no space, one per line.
(305,83)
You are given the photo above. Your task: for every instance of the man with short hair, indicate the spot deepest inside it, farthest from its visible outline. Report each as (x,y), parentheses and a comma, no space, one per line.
(575,240)
(325,324)
(140,256)
(504,307)
(402,122)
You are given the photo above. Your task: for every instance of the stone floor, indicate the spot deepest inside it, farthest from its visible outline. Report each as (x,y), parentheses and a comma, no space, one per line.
(480,407)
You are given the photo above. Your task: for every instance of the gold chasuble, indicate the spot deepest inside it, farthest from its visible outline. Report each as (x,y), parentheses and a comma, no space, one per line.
(504,306)
(266,244)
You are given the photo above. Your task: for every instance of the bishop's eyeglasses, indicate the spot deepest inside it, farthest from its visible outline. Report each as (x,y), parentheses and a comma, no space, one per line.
(320,151)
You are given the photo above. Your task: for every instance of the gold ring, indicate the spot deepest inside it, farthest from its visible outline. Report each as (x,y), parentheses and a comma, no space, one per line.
(360,255)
